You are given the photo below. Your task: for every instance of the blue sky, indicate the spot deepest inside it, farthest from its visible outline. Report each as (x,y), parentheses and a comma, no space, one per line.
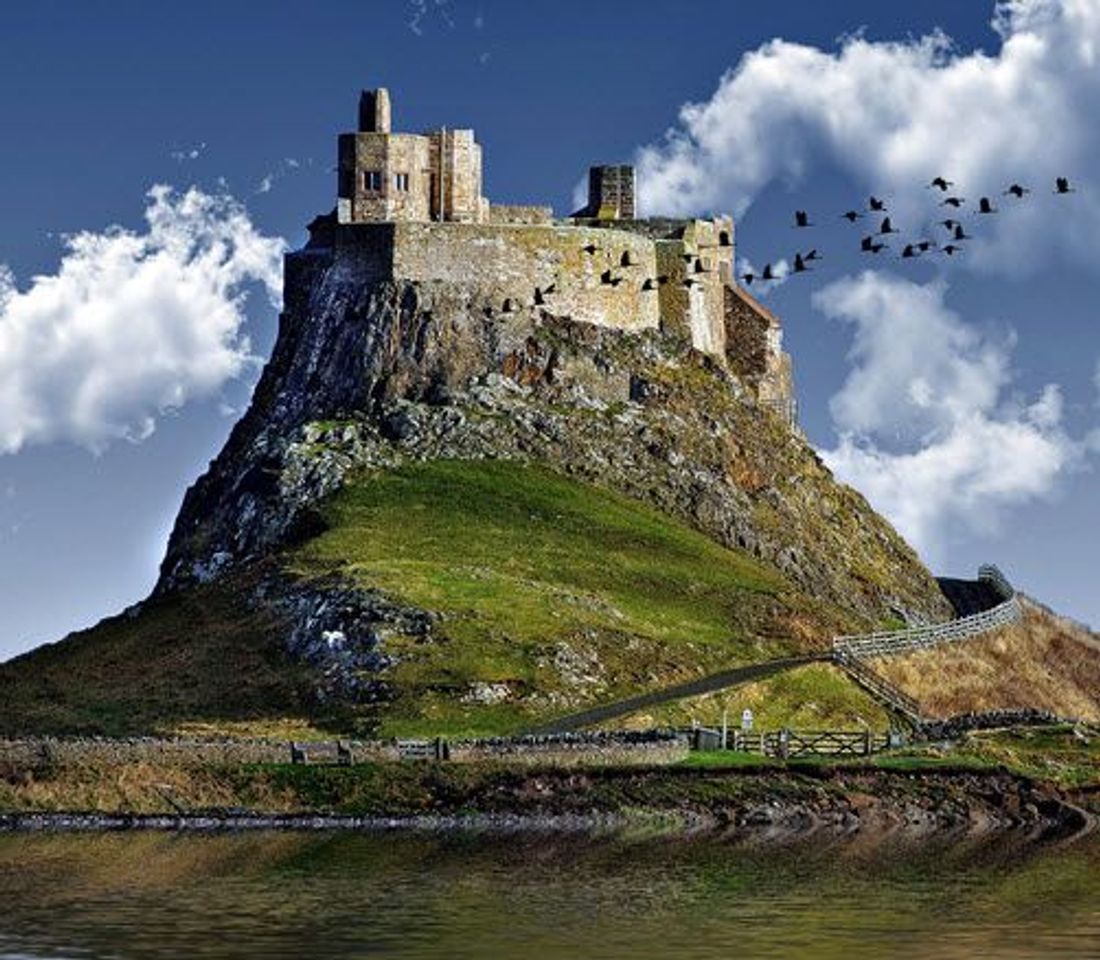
(961,396)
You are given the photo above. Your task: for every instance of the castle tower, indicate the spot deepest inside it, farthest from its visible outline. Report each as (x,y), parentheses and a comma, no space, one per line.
(384,176)
(611,192)
(374,111)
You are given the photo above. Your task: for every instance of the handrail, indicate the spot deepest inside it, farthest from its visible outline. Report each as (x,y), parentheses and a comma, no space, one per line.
(892,642)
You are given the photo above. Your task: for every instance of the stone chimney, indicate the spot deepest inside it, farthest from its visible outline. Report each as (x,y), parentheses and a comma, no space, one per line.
(374,111)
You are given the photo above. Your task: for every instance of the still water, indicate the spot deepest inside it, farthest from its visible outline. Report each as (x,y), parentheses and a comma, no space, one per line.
(274,895)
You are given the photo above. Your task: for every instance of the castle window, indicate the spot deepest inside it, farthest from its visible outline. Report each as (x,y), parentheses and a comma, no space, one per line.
(401,182)
(372,180)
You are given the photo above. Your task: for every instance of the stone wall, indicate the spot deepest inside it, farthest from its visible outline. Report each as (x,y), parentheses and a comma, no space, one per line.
(592,276)
(618,747)
(529,215)
(754,347)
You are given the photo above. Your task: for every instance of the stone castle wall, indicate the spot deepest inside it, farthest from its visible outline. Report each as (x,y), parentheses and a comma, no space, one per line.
(629,275)
(590,275)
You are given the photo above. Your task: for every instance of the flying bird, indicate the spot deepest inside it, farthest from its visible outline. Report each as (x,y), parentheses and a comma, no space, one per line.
(1061,185)
(852,216)
(799,264)
(802,219)
(812,255)
(873,203)
(961,234)
(590,249)
(955,202)
(748,278)
(767,274)
(868,245)
(1017,191)
(949,223)
(908,252)
(941,183)
(984,206)
(887,226)
(925,245)
(951,249)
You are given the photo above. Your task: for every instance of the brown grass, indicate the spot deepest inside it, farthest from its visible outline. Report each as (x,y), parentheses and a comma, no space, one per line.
(1045,662)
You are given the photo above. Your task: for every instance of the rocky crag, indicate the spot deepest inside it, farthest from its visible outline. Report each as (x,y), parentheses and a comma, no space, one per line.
(369,375)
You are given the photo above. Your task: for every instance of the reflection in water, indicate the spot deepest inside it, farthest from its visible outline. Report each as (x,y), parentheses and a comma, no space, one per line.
(146,895)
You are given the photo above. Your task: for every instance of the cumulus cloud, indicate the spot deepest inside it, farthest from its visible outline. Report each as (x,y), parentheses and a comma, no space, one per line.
(132,324)
(929,428)
(894,114)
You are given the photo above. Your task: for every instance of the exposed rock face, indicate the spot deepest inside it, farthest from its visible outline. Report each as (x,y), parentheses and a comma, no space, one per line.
(369,375)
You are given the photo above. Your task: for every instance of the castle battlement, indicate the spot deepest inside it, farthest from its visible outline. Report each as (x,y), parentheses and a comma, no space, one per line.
(410,207)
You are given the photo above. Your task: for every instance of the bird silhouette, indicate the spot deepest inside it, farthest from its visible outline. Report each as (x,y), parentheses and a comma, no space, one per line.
(868,245)
(949,223)
(590,249)
(925,245)
(767,274)
(887,226)
(812,255)
(955,202)
(873,203)
(951,249)
(1017,191)
(961,234)
(1061,185)
(748,278)
(799,264)
(908,252)
(984,206)
(852,216)
(802,219)
(941,183)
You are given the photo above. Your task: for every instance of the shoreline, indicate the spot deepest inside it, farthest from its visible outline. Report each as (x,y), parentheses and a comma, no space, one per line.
(774,803)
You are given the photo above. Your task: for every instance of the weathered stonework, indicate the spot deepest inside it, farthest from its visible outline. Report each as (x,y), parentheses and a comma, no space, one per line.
(410,209)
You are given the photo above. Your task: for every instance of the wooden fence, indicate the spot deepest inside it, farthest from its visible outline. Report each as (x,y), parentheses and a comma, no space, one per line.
(786,744)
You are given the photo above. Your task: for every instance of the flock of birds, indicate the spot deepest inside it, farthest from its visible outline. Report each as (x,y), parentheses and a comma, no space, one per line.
(876,242)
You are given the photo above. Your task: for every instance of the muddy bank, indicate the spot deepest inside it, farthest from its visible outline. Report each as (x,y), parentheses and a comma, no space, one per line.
(498,797)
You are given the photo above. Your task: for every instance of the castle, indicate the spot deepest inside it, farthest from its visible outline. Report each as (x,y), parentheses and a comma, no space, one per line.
(410,207)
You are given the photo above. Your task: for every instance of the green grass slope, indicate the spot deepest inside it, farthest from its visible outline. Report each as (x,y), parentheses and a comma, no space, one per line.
(551,594)
(200,660)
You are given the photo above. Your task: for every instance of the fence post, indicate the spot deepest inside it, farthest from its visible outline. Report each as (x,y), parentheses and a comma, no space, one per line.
(867,743)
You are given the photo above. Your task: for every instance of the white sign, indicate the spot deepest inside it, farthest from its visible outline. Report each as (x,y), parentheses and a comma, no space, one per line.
(746,719)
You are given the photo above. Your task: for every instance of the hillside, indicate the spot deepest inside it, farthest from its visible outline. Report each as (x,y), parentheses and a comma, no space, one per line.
(510,592)
(1044,662)
(433,519)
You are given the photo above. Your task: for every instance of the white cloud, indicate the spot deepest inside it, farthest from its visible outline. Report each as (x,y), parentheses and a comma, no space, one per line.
(132,324)
(928,429)
(894,114)
(189,153)
(781,270)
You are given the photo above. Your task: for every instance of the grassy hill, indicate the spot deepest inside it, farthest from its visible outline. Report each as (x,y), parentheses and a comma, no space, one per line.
(550,593)
(1045,662)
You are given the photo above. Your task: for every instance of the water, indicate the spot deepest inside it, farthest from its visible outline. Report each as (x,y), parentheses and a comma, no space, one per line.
(274,895)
